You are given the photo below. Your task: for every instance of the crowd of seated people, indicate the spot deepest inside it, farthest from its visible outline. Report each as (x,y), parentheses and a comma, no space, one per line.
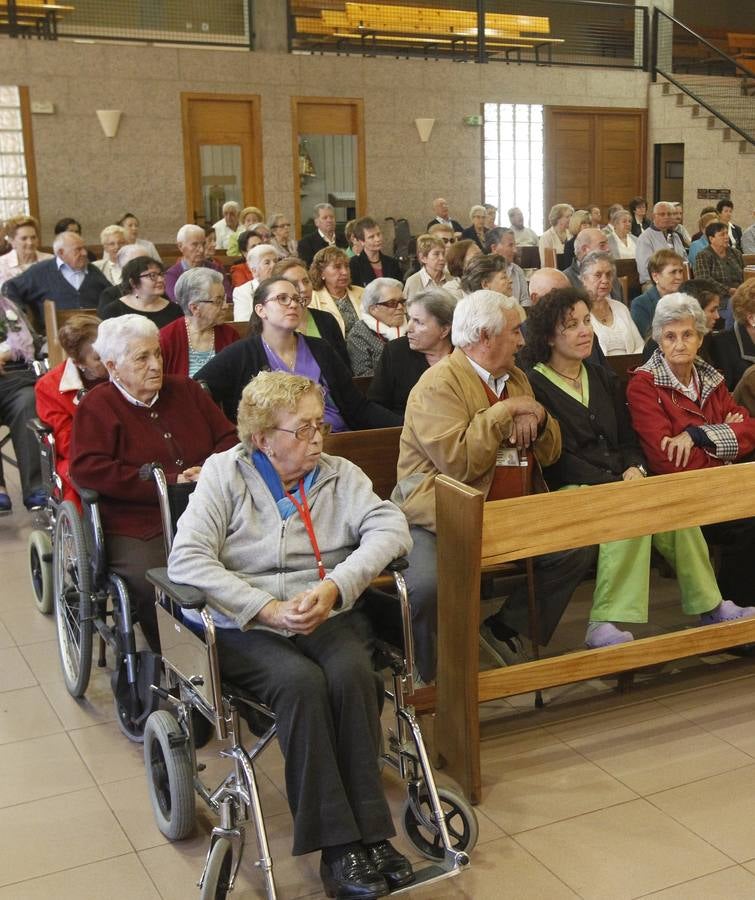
(230,372)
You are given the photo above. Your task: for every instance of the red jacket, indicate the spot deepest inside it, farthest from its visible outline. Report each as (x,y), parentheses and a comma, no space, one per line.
(658,411)
(56,394)
(240,274)
(174,344)
(113,438)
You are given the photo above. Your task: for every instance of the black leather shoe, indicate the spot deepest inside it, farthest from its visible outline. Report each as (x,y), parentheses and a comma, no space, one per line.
(392,865)
(352,875)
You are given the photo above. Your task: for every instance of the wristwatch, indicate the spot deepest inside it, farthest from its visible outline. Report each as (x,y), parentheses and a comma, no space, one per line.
(642,470)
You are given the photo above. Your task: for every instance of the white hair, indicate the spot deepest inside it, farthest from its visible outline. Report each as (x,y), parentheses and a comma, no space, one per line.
(661,203)
(478,312)
(229,205)
(674,307)
(112,229)
(477,211)
(195,284)
(185,231)
(373,291)
(115,335)
(129,252)
(255,254)
(60,240)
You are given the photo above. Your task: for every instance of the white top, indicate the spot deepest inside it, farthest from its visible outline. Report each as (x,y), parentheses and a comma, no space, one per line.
(621,336)
(421,281)
(111,270)
(242,300)
(223,232)
(620,250)
(149,248)
(525,237)
(550,241)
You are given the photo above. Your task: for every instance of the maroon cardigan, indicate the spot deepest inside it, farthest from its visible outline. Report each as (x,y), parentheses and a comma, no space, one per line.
(112,439)
(174,344)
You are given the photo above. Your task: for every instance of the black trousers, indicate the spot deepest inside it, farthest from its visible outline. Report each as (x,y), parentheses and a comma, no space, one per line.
(556,578)
(735,541)
(17,407)
(130,558)
(327,699)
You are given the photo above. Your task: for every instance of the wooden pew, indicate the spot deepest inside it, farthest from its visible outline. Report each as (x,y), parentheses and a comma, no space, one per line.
(529,257)
(475,537)
(627,268)
(375,451)
(622,363)
(55,319)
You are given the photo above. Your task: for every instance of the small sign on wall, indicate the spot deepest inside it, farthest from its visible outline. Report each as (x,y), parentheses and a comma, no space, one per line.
(714,194)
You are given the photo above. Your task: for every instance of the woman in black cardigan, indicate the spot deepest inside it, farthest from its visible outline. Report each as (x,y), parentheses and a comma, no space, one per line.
(274,344)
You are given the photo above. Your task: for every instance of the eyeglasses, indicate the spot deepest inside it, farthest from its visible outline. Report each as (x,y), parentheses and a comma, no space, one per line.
(216,303)
(153,276)
(448,240)
(282,225)
(307,432)
(391,304)
(286,300)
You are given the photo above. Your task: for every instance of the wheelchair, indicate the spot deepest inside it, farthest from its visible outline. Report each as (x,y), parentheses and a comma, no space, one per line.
(438,822)
(70,577)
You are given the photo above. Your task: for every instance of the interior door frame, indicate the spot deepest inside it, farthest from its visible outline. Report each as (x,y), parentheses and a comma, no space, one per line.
(258,180)
(549,111)
(361,183)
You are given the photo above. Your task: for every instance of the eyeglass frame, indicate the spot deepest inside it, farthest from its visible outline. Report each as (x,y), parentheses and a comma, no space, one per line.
(392,304)
(153,276)
(293,299)
(324,428)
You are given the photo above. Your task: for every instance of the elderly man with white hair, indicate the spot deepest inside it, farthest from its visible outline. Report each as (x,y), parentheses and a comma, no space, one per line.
(470,416)
(260,261)
(383,319)
(660,236)
(190,241)
(227,226)
(441,216)
(324,235)
(590,240)
(69,279)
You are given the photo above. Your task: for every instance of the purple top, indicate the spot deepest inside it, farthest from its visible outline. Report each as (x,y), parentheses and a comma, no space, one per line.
(179,267)
(15,331)
(306,365)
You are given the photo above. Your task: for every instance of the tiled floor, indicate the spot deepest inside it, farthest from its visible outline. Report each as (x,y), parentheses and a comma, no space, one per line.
(648,794)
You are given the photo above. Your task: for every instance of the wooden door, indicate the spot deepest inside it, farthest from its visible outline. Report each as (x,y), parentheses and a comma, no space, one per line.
(594,156)
(222,140)
(339,175)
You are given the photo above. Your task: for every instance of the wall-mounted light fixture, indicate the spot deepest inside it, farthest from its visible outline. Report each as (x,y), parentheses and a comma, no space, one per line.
(110,119)
(424,127)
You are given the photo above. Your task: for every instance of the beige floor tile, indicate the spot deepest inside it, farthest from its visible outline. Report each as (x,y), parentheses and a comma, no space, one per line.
(499,869)
(660,753)
(129,800)
(14,672)
(5,637)
(735,883)
(92,709)
(27,625)
(121,878)
(17,592)
(40,767)
(622,852)
(720,809)
(25,714)
(58,833)
(606,718)
(544,785)
(43,660)
(108,754)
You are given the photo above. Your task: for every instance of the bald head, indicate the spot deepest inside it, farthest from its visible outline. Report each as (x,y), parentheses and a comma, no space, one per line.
(440,207)
(591,240)
(544,281)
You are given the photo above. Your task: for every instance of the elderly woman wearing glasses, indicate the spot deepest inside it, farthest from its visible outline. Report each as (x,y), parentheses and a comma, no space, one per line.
(281,235)
(383,319)
(275,343)
(188,343)
(283,539)
(143,284)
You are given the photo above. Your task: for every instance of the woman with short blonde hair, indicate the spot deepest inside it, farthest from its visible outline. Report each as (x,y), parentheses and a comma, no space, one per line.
(22,233)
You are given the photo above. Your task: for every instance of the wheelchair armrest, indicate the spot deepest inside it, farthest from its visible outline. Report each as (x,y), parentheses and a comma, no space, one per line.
(40,428)
(398,565)
(186,596)
(88,496)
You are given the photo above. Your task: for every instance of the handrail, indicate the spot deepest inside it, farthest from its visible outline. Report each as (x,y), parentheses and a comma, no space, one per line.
(711,110)
(745,72)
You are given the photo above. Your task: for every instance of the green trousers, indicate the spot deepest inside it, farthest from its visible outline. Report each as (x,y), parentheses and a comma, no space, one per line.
(623,579)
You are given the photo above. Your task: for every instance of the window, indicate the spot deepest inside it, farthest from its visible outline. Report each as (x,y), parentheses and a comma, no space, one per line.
(513,160)
(14,180)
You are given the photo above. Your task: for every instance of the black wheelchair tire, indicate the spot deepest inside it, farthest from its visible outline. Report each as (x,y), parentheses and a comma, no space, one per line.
(422,833)
(73,599)
(217,875)
(40,571)
(170,778)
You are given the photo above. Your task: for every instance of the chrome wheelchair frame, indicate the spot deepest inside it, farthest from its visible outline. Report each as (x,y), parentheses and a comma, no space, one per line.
(439,823)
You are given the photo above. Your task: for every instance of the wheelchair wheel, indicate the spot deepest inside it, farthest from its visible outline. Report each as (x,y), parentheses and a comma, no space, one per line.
(422,832)
(217,875)
(40,570)
(170,777)
(73,600)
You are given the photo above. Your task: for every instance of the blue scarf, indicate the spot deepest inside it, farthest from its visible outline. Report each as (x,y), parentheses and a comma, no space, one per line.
(274,484)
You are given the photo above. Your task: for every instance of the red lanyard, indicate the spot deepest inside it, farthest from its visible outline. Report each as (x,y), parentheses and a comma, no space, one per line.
(306,517)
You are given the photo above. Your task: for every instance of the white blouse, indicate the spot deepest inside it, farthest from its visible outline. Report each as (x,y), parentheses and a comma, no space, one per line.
(621,336)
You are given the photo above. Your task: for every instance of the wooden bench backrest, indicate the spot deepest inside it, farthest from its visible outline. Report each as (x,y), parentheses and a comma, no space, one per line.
(375,452)
(241,328)
(549,258)
(529,257)
(749,259)
(55,319)
(622,363)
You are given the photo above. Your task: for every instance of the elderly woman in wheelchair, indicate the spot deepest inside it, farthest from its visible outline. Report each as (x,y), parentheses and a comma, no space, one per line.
(283,541)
